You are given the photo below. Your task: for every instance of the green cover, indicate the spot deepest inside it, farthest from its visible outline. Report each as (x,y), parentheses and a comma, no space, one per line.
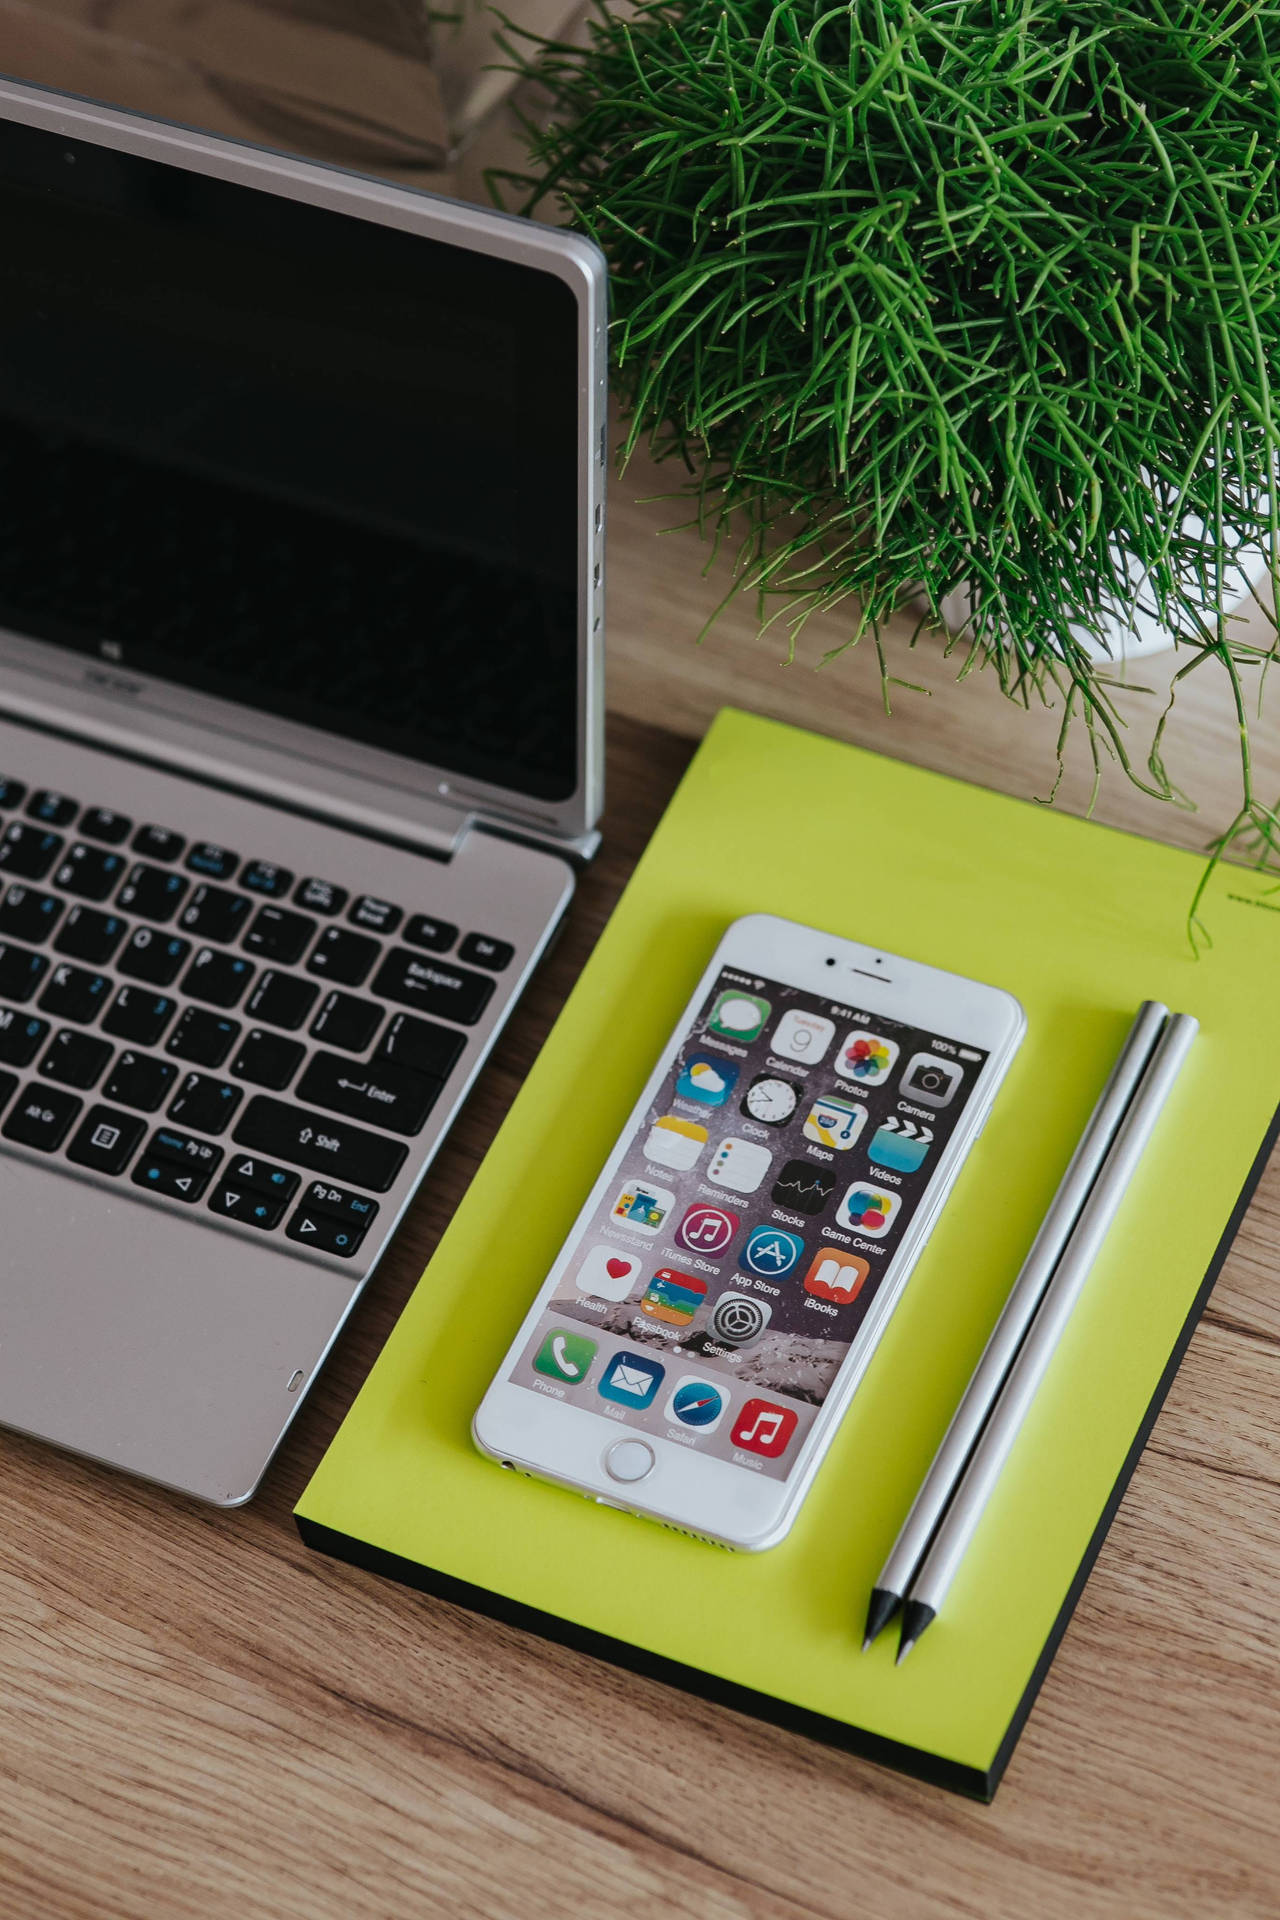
(1081,923)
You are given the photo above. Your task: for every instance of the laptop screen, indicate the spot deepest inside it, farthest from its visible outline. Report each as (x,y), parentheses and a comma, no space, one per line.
(291,458)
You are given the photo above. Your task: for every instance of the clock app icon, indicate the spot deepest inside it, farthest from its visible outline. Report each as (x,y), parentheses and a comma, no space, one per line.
(771,1099)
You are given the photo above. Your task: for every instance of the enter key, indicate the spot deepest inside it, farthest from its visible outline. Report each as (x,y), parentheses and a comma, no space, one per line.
(381,1094)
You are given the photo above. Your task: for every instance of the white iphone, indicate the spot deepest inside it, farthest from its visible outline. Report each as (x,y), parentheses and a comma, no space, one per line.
(708,1319)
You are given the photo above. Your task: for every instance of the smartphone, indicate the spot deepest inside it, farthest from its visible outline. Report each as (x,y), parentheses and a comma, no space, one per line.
(711,1313)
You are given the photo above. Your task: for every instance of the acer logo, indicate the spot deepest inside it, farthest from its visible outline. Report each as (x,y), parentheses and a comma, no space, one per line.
(113,682)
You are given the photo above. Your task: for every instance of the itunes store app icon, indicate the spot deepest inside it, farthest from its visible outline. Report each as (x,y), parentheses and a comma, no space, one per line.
(707,1230)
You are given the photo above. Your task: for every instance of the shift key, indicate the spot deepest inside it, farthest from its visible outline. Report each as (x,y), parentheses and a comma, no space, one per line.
(335,1147)
(384,1094)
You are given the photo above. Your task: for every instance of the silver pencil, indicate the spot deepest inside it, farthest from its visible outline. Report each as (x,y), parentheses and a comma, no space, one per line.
(1019,1309)
(933,1580)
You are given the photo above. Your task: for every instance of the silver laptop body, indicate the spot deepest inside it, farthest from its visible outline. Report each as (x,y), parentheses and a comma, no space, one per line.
(301,525)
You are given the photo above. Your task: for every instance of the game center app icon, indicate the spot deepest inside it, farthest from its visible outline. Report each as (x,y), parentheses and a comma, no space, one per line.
(632,1380)
(641,1208)
(771,1252)
(698,1404)
(740,1165)
(866,1058)
(764,1427)
(708,1079)
(607,1274)
(803,1187)
(707,1230)
(738,1015)
(802,1036)
(835,1122)
(836,1276)
(673,1297)
(868,1210)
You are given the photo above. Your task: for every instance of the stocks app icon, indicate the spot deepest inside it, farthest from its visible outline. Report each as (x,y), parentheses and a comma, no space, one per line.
(803,1187)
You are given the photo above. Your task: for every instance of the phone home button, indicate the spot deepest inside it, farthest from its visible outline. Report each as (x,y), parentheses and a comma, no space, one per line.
(629,1460)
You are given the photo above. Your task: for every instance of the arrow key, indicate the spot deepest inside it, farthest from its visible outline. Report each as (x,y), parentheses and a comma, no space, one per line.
(179,1179)
(236,1202)
(325,1233)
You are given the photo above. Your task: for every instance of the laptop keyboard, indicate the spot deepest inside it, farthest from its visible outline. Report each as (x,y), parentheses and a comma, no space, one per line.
(213,1028)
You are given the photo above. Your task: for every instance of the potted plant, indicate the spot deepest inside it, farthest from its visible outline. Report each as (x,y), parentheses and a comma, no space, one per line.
(967,303)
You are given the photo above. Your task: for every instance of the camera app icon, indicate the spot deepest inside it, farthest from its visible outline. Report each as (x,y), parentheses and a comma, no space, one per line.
(931,1080)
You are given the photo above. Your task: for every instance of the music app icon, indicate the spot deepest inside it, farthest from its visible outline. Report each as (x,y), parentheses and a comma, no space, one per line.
(763,1427)
(707,1230)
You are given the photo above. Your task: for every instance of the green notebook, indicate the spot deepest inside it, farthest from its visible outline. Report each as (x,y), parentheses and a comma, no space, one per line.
(1081,923)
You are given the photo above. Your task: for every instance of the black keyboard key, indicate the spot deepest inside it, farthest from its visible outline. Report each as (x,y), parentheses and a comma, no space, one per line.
(137,1081)
(106,1140)
(73,993)
(342,956)
(28,852)
(320,896)
(214,914)
(153,956)
(28,914)
(158,843)
(20,971)
(176,1165)
(12,792)
(281,1000)
(481,951)
(433,986)
(215,863)
(322,1232)
(248,1170)
(277,934)
(202,1037)
(42,1117)
(21,1036)
(52,809)
(341,1203)
(235,1202)
(90,872)
(100,823)
(381,1093)
(343,1021)
(268,1059)
(205,1103)
(152,893)
(218,979)
(333,1147)
(138,1015)
(422,1046)
(168,1144)
(378,916)
(8,1084)
(75,1059)
(89,935)
(436,936)
(264,876)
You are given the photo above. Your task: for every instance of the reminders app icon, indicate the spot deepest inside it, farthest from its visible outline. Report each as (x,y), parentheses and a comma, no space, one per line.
(707,1079)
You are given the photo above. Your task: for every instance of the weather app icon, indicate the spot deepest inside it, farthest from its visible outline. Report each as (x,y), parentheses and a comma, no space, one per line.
(708,1079)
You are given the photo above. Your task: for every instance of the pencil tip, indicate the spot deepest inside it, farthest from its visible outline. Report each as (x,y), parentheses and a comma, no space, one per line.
(915,1618)
(904,1649)
(883,1605)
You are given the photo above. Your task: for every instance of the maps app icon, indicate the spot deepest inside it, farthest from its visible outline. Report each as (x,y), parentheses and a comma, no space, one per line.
(835,1122)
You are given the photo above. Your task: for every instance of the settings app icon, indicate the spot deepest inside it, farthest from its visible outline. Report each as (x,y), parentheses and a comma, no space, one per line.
(738,1318)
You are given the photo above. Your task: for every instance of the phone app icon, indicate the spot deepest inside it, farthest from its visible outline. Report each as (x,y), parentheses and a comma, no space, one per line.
(565,1356)
(931,1079)
(707,1230)
(739,1318)
(771,1099)
(674,1142)
(697,1403)
(606,1274)
(763,1427)
(771,1252)
(803,1187)
(868,1210)
(673,1297)
(867,1058)
(836,1276)
(835,1122)
(901,1144)
(738,1015)
(802,1036)
(632,1380)
(740,1165)
(641,1207)
(708,1079)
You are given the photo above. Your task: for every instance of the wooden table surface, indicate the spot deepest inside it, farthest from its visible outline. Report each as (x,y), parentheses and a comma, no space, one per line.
(198,1717)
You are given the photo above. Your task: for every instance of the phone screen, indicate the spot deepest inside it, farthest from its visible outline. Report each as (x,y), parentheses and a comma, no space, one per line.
(723,1277)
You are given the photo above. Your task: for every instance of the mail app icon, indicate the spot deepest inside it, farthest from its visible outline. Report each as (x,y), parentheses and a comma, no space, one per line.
(631,1379)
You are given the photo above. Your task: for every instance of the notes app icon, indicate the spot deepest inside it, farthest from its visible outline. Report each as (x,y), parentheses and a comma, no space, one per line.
(764,1427)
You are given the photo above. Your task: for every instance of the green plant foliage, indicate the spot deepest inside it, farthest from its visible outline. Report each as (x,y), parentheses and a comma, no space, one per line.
(960,294)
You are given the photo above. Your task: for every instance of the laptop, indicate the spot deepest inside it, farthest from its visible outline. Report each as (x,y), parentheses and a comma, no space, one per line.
(301,521)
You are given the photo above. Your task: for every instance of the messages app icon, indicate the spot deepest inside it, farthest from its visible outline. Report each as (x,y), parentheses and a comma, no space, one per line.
(708,1079)
(738,1015)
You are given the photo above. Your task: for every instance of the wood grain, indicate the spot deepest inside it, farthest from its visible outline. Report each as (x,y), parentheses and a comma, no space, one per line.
(199,1718)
